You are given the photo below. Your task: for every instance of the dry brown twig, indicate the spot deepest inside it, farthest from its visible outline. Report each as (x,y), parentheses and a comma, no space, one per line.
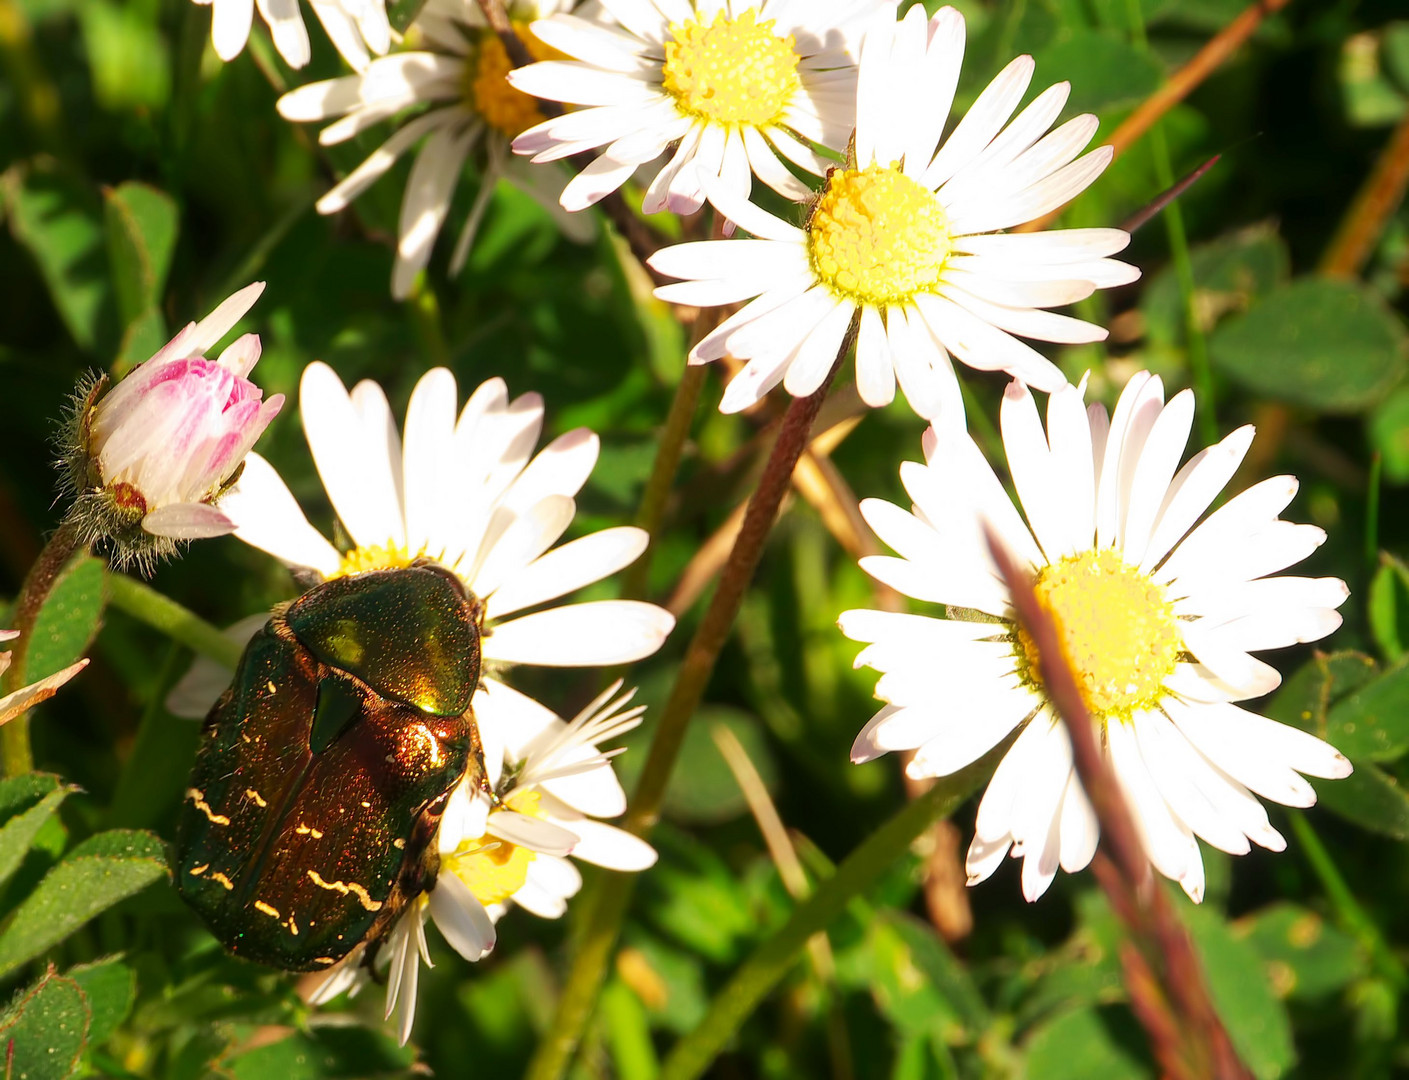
(1180,85)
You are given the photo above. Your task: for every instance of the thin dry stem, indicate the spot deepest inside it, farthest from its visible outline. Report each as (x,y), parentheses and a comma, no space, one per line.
(1180,85)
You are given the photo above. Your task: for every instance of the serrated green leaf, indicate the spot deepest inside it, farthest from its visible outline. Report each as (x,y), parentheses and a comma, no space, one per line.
(69,619)
(43,1033)
(1256,1020)
(95,875)
(141,225)
(26,803)
(1327,344)
(1306,957)
(110,987)
(1089,1044)
(58,217)
(1388,608)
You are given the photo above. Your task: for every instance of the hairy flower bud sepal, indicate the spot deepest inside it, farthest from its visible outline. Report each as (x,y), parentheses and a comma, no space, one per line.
(147,460)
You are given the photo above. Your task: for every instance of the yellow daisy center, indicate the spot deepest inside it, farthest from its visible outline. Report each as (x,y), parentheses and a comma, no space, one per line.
(360,560)
(1119,632)
(731,71)
(495,869)
(876,236)
(510,112)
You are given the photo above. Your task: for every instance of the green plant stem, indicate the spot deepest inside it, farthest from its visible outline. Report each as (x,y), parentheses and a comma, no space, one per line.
(181,624)
(15,751)
(1349,913)
(1200,372)
(669,450)
(775,957)
(605,909)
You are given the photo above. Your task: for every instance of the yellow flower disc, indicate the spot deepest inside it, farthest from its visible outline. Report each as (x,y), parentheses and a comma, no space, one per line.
(495,869)
(876,236)
(732,71)
(360,560)
(508,111)
(1119,633)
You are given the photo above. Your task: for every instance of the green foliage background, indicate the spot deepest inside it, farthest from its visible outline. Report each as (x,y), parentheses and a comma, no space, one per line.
(141,181)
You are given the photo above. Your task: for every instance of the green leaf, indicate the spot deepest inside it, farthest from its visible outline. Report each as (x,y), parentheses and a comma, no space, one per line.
(1372,722)
(127,55)
(1305,956)
(1256,1020)
(1327,344)
(919,985)
(703,789)
(1088,1044)
(325,1052)
(1394,54)
(95,875)
(1230,274)
(1106,72)
(141,224)
(1388,428)
(26,803)
(69,619)
(1388,608)
(110,987)
(1370,797)
(42,1034)
(143,337)
(59,219)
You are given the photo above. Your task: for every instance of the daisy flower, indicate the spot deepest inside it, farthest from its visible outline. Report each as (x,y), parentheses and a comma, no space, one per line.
(1159,613)
(551,783)
(457,70)
(736,87)
(905,239)
(353,26)
(469,493)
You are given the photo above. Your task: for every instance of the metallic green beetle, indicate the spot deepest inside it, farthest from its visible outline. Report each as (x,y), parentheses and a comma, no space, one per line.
(323,770)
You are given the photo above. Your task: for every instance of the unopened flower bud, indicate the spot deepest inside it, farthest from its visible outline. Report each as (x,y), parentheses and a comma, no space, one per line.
(149,459)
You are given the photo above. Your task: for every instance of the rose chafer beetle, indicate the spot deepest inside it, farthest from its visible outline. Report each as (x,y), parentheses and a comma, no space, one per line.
(324,769)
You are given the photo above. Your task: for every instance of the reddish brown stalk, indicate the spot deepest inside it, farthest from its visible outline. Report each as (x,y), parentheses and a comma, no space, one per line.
(1363,225)
(1162,972)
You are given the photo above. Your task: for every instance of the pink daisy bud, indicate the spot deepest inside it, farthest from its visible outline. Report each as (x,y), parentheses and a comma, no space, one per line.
(150,459)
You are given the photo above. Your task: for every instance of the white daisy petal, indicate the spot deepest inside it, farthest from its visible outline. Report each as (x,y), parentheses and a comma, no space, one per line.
(591,634)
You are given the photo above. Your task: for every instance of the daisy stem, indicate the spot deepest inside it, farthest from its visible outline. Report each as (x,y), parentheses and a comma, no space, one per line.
(773,959)
(160,612)
(669,450)
(603,915)
(15,751)
(1349,913)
